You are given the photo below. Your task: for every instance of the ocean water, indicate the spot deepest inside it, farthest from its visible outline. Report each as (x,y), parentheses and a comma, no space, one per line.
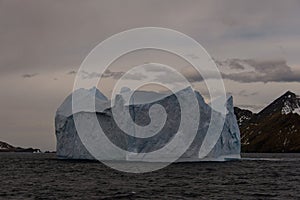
(42,176)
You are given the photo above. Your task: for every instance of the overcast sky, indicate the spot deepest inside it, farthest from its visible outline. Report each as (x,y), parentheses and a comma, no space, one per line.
(42,44)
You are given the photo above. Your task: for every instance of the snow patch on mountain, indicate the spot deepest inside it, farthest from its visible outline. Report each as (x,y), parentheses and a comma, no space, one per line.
(291,106)
(296,111)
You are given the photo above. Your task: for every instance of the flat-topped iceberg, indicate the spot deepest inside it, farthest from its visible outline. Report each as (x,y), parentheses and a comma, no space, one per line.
(70,146)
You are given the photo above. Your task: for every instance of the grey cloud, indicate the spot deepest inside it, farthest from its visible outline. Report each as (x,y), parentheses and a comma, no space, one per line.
(72,72)
(188,72)
(191,75)
(249,70)
(234,64)
(136,76)
(29,75)
(155,68)
(28,27)
(262,71)
(89,75)
(167,79)
(192,56)
(244,93)
(114,75)
(164,74)
(106,74)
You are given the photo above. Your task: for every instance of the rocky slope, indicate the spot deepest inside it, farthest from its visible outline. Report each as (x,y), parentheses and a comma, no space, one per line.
(276,128)
(4,147)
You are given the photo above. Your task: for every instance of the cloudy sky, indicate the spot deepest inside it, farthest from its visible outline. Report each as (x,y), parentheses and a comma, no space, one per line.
(42,44)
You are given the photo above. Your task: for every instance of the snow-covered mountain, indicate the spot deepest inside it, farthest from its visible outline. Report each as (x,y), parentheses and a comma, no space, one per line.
(276,128)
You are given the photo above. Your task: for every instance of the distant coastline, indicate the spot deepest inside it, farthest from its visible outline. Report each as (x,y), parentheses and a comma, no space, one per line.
(5,147)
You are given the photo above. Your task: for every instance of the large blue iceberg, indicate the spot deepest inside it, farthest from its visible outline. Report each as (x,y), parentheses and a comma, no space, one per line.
(70,146)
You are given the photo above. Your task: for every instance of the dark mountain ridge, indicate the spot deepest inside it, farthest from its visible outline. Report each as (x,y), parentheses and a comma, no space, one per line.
(276,128)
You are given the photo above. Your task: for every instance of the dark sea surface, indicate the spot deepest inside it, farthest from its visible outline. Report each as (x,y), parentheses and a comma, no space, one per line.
(42,176)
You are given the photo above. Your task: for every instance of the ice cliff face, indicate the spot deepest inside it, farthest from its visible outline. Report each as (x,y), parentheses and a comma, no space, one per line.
(69,145)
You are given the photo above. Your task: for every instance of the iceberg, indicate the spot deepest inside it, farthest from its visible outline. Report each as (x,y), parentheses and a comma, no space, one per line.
(70,146)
